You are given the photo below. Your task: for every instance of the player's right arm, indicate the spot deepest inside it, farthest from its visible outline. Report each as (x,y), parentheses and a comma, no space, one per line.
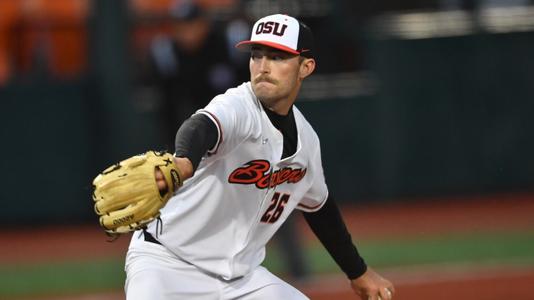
(196,136)
(186,171)
(202,133)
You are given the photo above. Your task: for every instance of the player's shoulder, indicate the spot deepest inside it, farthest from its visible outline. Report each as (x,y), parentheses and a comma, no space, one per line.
(238,97)
(242,92)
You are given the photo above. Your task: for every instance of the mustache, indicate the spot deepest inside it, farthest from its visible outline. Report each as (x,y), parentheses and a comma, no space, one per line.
(264,78)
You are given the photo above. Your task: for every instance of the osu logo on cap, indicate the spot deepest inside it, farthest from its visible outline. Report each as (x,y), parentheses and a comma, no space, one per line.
(271,27)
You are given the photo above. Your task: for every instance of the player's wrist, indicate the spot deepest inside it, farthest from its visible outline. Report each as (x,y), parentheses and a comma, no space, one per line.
(171,173)
(357,270)
(185,167)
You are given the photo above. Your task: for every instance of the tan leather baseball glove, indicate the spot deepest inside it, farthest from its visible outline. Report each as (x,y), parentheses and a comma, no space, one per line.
(126,194)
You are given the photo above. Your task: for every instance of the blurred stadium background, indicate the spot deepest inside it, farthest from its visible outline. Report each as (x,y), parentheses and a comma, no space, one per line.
(424,109)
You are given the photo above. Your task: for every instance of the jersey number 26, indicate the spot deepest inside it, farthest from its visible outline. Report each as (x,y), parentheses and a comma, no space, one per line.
(274,211)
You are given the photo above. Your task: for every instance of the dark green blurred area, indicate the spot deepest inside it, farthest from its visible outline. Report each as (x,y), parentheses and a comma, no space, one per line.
(451,116)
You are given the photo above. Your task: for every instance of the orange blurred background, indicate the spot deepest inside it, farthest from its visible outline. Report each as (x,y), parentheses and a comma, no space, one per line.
(57,32)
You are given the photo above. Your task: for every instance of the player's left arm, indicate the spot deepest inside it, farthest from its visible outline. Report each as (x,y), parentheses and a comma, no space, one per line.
(328,225)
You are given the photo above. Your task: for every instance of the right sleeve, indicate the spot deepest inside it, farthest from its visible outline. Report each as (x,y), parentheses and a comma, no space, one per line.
(232,119)
(196,136)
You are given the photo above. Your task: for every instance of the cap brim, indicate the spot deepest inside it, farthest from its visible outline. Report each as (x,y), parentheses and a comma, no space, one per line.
(245,46)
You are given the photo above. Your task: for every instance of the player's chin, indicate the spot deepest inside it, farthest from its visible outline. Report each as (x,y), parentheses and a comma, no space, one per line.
(263,91)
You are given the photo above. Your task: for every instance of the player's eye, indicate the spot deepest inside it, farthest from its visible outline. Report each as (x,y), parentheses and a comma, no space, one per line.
(278,56)
(256,55)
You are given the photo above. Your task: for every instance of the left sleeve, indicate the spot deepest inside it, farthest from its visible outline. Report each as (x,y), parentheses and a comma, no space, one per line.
(316,196)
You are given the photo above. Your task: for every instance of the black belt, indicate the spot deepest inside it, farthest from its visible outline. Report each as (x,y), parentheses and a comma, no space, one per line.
(150,238)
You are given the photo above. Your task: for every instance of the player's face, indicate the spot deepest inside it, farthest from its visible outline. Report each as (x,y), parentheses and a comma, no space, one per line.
(275,77)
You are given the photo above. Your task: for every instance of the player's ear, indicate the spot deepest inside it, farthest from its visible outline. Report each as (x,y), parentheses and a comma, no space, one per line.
(307,65)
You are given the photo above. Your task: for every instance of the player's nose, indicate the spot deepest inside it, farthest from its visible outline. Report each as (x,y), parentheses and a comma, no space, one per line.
(264,65)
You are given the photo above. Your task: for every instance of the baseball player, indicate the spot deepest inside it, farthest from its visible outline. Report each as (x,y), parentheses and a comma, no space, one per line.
(247,160)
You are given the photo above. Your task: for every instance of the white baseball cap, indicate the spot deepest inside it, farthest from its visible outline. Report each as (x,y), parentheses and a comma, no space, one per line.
(281,32)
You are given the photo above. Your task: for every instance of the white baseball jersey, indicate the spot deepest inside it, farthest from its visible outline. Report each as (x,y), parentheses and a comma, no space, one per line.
(221,219)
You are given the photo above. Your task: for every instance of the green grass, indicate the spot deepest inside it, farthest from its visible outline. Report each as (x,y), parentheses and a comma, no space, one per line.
(74,277)
(61,278)
(480,248)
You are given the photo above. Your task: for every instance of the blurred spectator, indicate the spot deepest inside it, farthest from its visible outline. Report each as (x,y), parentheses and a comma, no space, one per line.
(192,65)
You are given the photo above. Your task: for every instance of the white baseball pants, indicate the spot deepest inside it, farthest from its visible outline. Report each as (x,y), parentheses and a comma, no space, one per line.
(152,272)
